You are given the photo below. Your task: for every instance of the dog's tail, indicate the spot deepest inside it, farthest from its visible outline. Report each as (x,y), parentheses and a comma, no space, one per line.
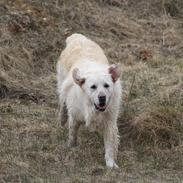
(75,37)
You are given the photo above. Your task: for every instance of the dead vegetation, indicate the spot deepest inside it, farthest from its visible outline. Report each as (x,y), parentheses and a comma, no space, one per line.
(145,36)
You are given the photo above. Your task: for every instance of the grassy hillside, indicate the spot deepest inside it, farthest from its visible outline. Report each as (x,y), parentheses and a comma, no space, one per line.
(145,37)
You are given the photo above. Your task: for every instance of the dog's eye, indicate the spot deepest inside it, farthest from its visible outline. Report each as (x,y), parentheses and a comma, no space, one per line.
(93,87)
(106,85)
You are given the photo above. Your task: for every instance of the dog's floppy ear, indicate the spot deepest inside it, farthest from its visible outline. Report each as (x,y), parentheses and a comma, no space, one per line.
(115,72)
(77,78)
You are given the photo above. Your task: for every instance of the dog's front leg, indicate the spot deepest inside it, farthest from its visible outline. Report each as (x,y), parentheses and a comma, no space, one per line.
(73,130)
(111,142)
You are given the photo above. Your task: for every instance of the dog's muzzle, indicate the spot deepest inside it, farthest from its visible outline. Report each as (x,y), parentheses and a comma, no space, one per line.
(102,104)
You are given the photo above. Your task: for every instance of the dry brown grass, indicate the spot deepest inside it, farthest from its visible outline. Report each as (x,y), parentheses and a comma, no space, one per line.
(145,36)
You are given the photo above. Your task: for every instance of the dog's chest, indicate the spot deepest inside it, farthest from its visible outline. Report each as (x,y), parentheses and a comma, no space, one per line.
(97,123)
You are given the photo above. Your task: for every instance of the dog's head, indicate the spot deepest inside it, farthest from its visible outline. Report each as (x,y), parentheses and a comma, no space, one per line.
(98,86)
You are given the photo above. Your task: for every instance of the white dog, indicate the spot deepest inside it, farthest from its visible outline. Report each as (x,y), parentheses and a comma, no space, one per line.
(89,91)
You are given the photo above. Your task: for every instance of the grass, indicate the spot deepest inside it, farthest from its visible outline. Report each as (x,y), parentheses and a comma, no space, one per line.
(145,37)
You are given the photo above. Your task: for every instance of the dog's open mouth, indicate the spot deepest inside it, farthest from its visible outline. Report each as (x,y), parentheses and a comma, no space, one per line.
(100,108)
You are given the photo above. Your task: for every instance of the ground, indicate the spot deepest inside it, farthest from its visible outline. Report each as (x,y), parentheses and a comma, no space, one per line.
(145,37)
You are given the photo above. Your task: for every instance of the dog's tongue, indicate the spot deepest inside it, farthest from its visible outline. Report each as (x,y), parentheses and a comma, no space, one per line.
(103,107)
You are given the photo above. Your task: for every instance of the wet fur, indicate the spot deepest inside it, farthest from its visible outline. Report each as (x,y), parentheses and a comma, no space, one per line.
(86,55)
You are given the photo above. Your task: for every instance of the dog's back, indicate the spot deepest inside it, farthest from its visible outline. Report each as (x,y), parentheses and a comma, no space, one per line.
(78,49)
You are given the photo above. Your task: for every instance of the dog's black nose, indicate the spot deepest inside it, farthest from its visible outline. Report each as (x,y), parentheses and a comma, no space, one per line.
(102,100)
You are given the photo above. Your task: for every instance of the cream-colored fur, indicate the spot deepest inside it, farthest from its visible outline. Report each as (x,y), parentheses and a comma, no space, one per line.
(81,65)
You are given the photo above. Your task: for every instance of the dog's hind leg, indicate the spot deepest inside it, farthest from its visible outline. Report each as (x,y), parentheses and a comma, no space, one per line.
(62,90)
(62,86)
(63,115)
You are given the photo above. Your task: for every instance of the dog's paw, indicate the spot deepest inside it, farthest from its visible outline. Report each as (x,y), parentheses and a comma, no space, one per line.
(111,164)
(115,165)
(72,144)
